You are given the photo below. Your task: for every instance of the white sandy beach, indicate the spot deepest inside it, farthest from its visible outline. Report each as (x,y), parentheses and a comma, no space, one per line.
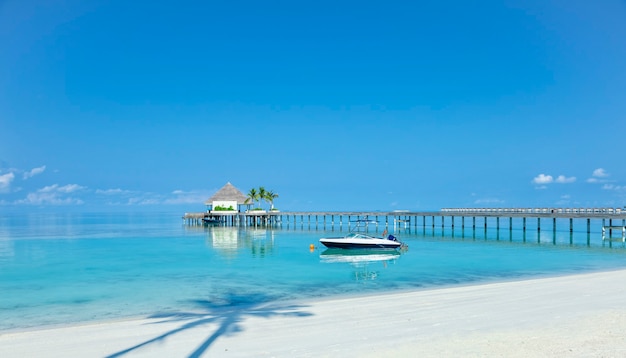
(570,316)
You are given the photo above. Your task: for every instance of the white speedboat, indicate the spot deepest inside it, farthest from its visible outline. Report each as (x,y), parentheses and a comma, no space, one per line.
(361,240)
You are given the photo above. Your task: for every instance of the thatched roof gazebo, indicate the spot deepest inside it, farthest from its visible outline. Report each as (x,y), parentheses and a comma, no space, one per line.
(228,197)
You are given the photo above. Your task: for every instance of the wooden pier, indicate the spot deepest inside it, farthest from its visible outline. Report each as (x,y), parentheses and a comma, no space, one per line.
(448,217)
(253,218)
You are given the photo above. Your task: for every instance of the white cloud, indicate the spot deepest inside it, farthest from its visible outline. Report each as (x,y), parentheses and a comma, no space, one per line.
(597,175)
(70,188)
(564,200)
(143,201)
(5,182)
(563,180)
(600,173)
(543,179)
(176,197)
(40,198)
(184,200)
(34,171)
(112,191)
(187,197)
(613,187)
(53,195)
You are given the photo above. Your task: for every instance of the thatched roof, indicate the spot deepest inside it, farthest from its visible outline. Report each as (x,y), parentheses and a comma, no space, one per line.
(227,193)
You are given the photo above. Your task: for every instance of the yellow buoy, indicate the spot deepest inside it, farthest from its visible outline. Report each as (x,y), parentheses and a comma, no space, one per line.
(312,247)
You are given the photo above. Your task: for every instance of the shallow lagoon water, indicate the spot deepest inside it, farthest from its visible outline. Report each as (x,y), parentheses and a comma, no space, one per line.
(63,269)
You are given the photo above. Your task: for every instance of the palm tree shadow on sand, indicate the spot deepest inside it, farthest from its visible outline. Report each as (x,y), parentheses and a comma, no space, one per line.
(227,313)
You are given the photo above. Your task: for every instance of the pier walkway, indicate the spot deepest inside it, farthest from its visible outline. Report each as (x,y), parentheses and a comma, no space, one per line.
(611,218)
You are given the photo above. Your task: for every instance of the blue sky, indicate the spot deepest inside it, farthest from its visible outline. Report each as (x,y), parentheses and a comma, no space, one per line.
(334,105)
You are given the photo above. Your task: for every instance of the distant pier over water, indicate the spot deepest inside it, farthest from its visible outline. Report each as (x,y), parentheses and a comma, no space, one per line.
(612,220)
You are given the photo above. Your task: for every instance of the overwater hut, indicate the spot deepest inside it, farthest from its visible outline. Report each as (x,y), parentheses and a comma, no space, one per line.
(226,200)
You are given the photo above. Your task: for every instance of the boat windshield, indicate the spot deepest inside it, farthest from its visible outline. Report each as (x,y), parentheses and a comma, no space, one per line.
(361,224)
(360,235)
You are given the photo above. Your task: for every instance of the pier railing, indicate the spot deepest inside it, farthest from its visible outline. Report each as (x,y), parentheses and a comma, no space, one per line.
(611,218)
(601,211)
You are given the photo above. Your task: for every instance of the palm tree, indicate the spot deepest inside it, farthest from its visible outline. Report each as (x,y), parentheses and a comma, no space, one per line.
(253,196)
(262,194)
(270,197)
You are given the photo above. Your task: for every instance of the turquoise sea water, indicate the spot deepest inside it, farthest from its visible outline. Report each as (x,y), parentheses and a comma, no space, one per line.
(62,269)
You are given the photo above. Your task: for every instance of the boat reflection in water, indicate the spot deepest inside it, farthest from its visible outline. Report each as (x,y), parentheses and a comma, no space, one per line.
(365,261)
(358,256)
